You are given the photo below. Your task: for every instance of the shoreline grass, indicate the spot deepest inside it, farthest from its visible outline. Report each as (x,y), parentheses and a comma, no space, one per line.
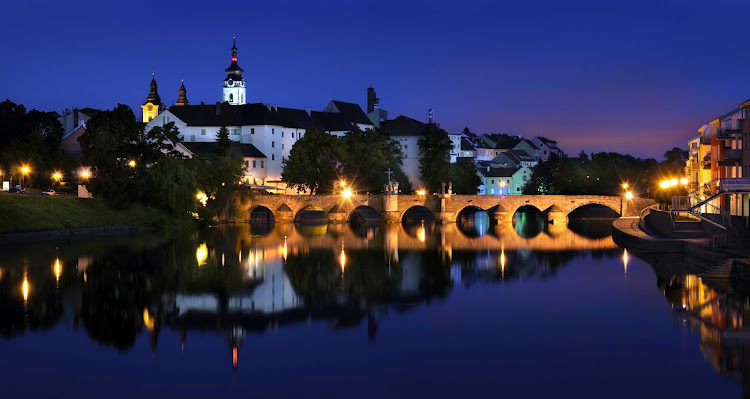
(28,213)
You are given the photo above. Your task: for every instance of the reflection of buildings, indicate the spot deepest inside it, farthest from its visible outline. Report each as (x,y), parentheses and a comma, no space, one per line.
(721,319)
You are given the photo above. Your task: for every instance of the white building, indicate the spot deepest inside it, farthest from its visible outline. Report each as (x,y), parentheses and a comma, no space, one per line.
(270,129)
(546,147)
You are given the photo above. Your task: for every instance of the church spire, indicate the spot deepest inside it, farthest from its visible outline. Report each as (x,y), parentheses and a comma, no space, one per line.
(234,71)
(234,86)
(153,94)
(182,96)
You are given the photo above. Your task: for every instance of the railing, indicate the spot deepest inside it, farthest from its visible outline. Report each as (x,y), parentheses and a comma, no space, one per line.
(707,189)
(642,216)
(688,205)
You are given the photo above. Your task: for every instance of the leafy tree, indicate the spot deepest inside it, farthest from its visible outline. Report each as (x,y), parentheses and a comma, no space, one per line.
(543,175)
(216,176)
(314,162)
(465,178)
(223,142)
(434,158)
(368,172)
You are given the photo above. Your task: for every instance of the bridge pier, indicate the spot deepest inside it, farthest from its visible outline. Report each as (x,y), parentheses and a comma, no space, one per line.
(445,217)
(390,213)
(556,216)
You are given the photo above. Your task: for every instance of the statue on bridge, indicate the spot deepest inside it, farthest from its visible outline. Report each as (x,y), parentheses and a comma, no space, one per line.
(392,186)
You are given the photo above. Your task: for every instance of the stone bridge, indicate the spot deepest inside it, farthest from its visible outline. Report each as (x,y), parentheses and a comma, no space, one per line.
(446,207)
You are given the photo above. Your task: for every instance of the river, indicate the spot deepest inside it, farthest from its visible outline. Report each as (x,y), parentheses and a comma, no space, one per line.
(466,310)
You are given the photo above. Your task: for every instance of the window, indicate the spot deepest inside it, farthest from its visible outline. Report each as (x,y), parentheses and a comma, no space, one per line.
(253,163)
(272,131)
(492,182)
(203,132)
(273,157)
(231,97)
(247,163)
(292,134)
(282,146)
(235,131)
(252,130)
(261,164)
(272,144)
(282,133)
(192,137)
(492,191)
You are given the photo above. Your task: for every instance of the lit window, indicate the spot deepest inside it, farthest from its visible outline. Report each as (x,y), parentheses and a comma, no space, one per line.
(203,132)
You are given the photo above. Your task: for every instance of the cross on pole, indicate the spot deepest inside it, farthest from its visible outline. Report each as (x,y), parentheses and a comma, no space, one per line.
(389,172)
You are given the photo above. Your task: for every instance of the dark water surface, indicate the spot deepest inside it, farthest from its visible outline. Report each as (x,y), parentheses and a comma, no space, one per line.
(467,310)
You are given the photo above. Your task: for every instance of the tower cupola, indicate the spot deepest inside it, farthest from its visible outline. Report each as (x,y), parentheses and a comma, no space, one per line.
(182,95)
(234,84)
(153,105)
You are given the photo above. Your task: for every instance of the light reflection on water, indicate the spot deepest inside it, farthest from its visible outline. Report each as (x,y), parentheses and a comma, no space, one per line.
(242,281)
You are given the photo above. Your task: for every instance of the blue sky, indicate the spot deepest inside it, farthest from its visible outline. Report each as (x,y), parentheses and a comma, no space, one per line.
(627,76)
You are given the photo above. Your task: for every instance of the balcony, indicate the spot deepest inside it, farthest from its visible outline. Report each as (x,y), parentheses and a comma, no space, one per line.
(728,134)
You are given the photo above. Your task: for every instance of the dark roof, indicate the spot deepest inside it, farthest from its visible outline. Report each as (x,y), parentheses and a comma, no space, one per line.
(497,171)
(466,145)
(203,148)
(551,143)
(521,155)
(403,126)
(532,145)
(500,141)
(352,112)
(259,114)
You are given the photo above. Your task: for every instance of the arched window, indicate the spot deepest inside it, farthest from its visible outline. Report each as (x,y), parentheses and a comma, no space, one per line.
(231,97)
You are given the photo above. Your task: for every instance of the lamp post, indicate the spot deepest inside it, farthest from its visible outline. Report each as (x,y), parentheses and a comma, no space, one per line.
(24,172)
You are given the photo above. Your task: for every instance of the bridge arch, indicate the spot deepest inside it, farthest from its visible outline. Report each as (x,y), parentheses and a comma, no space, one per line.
(363,214)
(299,215)
(417,214)
(579,207)
(260,213)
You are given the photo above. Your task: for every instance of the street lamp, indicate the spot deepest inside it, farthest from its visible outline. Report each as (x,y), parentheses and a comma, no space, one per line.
(132,163)
(85,174)
(624,186)
(347,193)
(629,195)
(24,172)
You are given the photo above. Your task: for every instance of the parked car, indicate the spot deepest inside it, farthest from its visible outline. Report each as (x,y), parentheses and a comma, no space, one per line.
(48,192)
(17,190)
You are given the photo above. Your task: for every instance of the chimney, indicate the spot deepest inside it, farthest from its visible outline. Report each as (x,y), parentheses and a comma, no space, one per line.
(308,111)
(372,100)
(218,108)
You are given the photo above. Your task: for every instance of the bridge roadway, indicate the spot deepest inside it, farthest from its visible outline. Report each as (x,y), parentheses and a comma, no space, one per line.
(446,207)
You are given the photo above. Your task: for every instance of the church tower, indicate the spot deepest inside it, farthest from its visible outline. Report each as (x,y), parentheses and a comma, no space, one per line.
(234,84)
(182,96)
(153,104)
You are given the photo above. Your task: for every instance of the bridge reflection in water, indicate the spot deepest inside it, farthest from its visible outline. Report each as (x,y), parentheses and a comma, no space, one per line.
(242,279)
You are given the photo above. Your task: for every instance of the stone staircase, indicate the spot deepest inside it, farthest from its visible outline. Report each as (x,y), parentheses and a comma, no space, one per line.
(689,229)
(721,271)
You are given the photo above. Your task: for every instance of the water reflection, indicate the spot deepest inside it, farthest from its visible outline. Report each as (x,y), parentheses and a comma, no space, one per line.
(235,282)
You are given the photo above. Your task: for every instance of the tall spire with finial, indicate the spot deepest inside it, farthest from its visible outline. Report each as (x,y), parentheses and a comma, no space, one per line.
(153,94)
(182,96)
(234,84)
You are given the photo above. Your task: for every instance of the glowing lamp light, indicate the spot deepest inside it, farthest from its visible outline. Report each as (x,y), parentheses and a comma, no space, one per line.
(201,254)
(625,260)
(342,183)
(25,288)
(342,258)
(347,192)
(57,269)
(629,195)
(85,174)
(625,186)
(25,170)
(132,163)
(664,184)
(57,176)
(673,182)
(421,192)
(684,181)
(202,197)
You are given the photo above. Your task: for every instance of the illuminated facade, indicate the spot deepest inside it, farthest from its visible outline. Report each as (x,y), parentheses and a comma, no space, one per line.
(153,105)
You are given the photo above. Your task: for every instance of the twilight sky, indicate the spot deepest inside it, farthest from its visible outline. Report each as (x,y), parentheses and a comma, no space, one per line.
(630,76)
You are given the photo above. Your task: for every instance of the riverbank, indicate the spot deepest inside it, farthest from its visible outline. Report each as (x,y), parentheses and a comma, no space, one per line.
(735,263)
(41,214)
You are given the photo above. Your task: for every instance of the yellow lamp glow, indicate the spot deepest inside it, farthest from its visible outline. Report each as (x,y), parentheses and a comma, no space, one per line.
(421,192)
(148,321)
(85,174)
(57,176)
(201,254)
(625,186)
(25,288)
(673,182)
(684,181)
(347,192)
(342,183)
(664,184)
(25,169)
(202,197)
(629,195)
(132,163)
(57,268)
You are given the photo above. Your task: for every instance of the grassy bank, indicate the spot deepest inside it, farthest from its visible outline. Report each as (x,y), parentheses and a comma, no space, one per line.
(19,212)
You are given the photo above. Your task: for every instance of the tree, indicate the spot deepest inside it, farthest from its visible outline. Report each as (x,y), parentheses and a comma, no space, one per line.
(543,175)
(223,142)
(314,162)
(434,158)
(465,178)
(368,172)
